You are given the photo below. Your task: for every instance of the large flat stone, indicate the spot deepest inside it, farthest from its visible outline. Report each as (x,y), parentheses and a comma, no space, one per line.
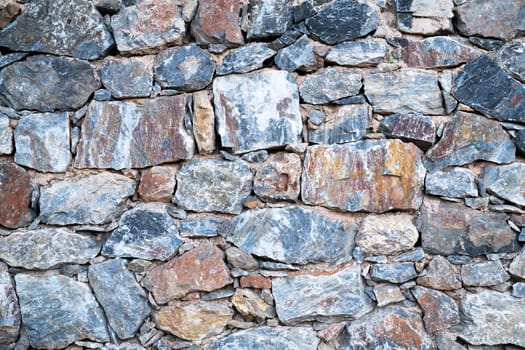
(483,274)
(506,181)
(440,274)
(455,182)
(217,22)
(410,127)
(128,77)
(426,8)
(137,134)
(257,110)
(10,319)
(6,136)
(15,196)
(269,18)
(362,53)
(279,177)
(330,84)
(371,175)
(440,311)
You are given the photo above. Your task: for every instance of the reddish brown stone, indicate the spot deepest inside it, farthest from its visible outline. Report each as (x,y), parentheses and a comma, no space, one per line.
(201,269)
(15,196)
(217,22)
(256,281)
(157,184)
(203,122)
(440,51)
(440,311)
(279,177)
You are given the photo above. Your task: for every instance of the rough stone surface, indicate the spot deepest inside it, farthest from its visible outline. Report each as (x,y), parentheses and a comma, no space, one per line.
(216,22)
(520,141)
(6,136)
(394,273)
(299,56)
(511,57)
(122,135)
(330,84)
(64,27)
(279,177)
(407,23)
(201,227)
(440,274)
(483,274)
(437,52)
(15,196)
(157,184)
(129,77)
(506,181)
(68,83)
(362,53)
(263,114)
(145,232)
(203,121)
(42,142)
(517,266)
(440,311)
(123,299)
(269,18)
(388,294)
(249,303)
(426,8)
(292,235)
(58,311)
(10,311)
(245,59)
(371,175)
(410,127)
(213,185)
(456,182)
(75,200)
(469,137)
(255,281)
(200,269)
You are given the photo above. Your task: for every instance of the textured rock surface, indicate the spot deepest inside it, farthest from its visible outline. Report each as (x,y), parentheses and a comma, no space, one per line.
(456,182)
(279,177)
(15,196)
(483,274)
(157,183)
(388,294)
(436,52)
(299,56)
(216,22)
(6,136)
(517,266)
(245,59)
(131,77)
(440,311)
(203,119)
(394,273)
(440,274)
(511,57)
(249,303)
(506,181)
(358,53)
(10,319)
(201,227)
(410,127)
(269,18)
(330,84)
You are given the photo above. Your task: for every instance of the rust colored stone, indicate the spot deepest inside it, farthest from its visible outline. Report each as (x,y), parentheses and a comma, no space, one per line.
(15,196)
(256,281)
(401,331)
(217,22)
(203,122)
(279,177)
(157,184)
(440,310)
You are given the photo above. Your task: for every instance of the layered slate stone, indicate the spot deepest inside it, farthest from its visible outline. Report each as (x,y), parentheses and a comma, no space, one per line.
(370,175)
(299,56)
(401,92)
(292,235)
(517,266)
(268,338)
(440,311)
(217,22)
(502,99)
(330,84)
(469,137)
(263,114)
(511,57)
(42,142)
(483,274)
(343,20)
(58,311)
(10,317)
(207,226)
(324,297)
(186,68)
(440,274)
(47,248)
(245,59)
(279,177)
(394,273)
(71,28)
(145,232)
(436,52)
(506,181)
(15,196)
(68,84)
(136,134)
(203,122)
(450,228)
(128,77)
(157,183)
(249,304)
(492,318)
(213,185)
(362,53)
(269,18)
(74,200)
(6,136)
(425,17)
(410,127)
(455,182)
(200,269)
(123,299)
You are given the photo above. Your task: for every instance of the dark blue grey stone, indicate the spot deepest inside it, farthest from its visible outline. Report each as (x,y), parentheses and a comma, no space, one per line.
(483,274)
(459,259)
(414,255)
(299,56)
(269,18)
(521,237)
(316,117)
(330,84)
(520,141)
(455,182)
(245,59)
(511,58)
(102,95)
(201,227)
(127,77)
(6,60)
(255,157)
(394,273)
(486,43)
(348,124)
(518,290)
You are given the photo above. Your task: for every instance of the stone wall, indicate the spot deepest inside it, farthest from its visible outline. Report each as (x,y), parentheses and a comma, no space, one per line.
(263,174)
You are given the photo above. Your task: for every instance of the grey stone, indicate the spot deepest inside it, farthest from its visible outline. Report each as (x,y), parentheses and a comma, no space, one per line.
(501,99)
(279,177)
(517,266)
(518,290)
(123,299)
(394,272)
(488,44)
(6,60)
(256,156)
(78,199)
(292,235)
(6,136)
(241,259)
(445,82)
(455,182)
(343,20)
(102,95)
(129,77)
(427,8)
(410,127)
(492,318)
(330,84)
(520,141)
(483,274)
(58,311)
(326,297)
(316,117)
(440,274)
(145,232)
(263,114)
(269,18)
(361,53)
(299,56)
(67,85)
(506,181)
(213,185)
(408,23)
(108,6)
(268,338)
(245,59)
(186,68)
(42,142)
(388,294)
(445,341)
(47,248)
(511,57)
(440,311)
(201,227)
(521,236)
(10,316)
(417,254)
(61,27)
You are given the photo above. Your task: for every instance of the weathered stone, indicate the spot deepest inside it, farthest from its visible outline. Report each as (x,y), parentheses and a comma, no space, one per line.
(245,59)
(255,281)
(445,82)
(68,83)
(502,99)
(330,84)
(128,77)
(10,311)
(15,196)
(139,134)
(401,92)
(6,136)
(213,185)
(292,235)
(203,122)
(426,8)
(506,181)
(299,56)
(78,199)
(511,57)
(416,254)
(279,177)
(263,114)
(217,22)
(349,123)
(370,175)
(440,311)
(410,127)
(358,53)
(483,274)
(186,68)
(42,142)
(388,294)
(157,183)
(408,23)
(386,234)
(451,228)
(200,269)
(518,290)
(249,303)
(123,299)
(393,327)
(269,18)
(492,318)
(58,310)
(440,274)
(6,60)
(241,259)
(201,227)
(343,20)
(72,28)
(455,182)
(446,341)
(520,141)
(517,266)
(9,9)
(394,273)
(268,338)
(491,18)
(469,137)
(437,52)
(145,232)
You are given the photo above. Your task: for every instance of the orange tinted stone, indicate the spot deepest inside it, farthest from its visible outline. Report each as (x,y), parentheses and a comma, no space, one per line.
(256,281)
(157,184)
(15,196)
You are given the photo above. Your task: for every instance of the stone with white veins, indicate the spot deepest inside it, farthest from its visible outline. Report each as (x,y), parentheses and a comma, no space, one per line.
(361,53)
(128,77)
(427,8)
(6,136)
(330,84)
(269,18)
(440,311)
(409,127)
(511,57)
(299,56)
(455,182)
(506,181)
(245,59)
(10,310)
(483,274)
(394,272)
